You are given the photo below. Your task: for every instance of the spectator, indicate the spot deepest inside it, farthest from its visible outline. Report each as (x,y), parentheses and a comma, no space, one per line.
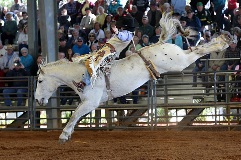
(101,15)
(200,65)
(145,41)
(63,45)
(91,39)
(231,52)
(154,15)
(23,39)
(2,51)
(141,5)
(107,22)
(94,47)
(80,47)
(86,4)
(23,22)
(9,29)
(136,43)
(3,13)
(166,7)
(17,71)
(204,15)
(82,33)
(114,4)
(64,19)
(146,28)
(61,55)
(18,6)
(38,61)
(137,15)
(177,40)
(108,35)
(87,21)
(99,3)
(7,60)
(99,33)
(72,41)
(26,59)
(237,33)
(69,54)
(194,23)
(72,8)
(218,6)
(232,5)
(156,37)
(237,22)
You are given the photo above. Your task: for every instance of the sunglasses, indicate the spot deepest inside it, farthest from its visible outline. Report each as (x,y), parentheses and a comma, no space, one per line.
(91,35)
(79,41)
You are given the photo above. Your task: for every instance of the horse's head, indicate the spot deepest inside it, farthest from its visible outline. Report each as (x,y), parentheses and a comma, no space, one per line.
(46,86)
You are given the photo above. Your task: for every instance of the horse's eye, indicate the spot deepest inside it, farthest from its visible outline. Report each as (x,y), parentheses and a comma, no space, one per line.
(40,81)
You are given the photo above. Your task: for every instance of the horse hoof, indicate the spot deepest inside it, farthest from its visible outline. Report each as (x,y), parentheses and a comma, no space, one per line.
(61,141)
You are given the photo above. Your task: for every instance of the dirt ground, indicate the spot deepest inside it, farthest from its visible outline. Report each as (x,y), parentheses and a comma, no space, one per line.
(121,145)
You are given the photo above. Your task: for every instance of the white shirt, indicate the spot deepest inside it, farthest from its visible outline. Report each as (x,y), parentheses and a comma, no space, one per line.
(99,34)
(22,37)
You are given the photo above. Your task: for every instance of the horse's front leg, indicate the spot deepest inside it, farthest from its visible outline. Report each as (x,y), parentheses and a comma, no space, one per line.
(82,109)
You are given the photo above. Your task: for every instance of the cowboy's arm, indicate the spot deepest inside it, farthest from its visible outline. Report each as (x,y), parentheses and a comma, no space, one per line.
(125,35)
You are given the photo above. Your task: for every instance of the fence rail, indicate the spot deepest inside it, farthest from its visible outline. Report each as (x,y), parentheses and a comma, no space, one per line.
(170,102)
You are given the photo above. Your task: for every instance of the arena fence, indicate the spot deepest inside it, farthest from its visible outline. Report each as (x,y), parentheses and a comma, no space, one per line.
(168,103)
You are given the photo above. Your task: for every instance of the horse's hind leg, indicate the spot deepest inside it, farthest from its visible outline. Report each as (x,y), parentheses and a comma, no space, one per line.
(82,109)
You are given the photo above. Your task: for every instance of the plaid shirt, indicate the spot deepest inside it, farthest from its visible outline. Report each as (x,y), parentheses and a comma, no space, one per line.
(232,54)
(71,8)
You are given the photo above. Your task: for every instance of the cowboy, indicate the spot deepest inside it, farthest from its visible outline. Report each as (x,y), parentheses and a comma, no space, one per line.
(101,60)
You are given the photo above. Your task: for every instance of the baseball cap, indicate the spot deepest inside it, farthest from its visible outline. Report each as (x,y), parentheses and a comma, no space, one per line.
(199,4)
(80,39)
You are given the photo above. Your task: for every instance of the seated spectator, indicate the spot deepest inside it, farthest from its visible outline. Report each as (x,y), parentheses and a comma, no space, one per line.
(145,41)
(100,18)
(200,66)
(23,39)
(80,47)
(231,52)
(237,33)
(87,22)
(156,37)
(82,33)
(146,28)
(35,67)
(108,35)
(99,33)
(16,86)
(23,21)
(72,8)
(69,54)
(94,47)
(26,59)
(137,15)
(107,23)
(112,8)
(154,15)
(64,19)
(63,45)
(73,39)
(18,6)
(204,15)
(136,43)
(9,29)
(141,5)
(91,39)
(229,12)
(177,40)
(2,50)
(98,3)
(194,23)
(61,55)
(6,62)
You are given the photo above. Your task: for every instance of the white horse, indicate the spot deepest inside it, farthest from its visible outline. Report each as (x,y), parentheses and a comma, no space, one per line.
(126,75)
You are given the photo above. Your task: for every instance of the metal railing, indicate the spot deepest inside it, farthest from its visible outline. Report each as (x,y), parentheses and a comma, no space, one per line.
(170,102)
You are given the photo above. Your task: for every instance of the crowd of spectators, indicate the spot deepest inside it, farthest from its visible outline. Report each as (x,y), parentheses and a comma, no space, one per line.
(85,27)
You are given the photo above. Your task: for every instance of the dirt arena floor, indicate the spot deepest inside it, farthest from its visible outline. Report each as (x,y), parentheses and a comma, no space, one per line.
(121,145)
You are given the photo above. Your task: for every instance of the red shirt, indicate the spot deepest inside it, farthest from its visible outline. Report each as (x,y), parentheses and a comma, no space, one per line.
(232,4)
